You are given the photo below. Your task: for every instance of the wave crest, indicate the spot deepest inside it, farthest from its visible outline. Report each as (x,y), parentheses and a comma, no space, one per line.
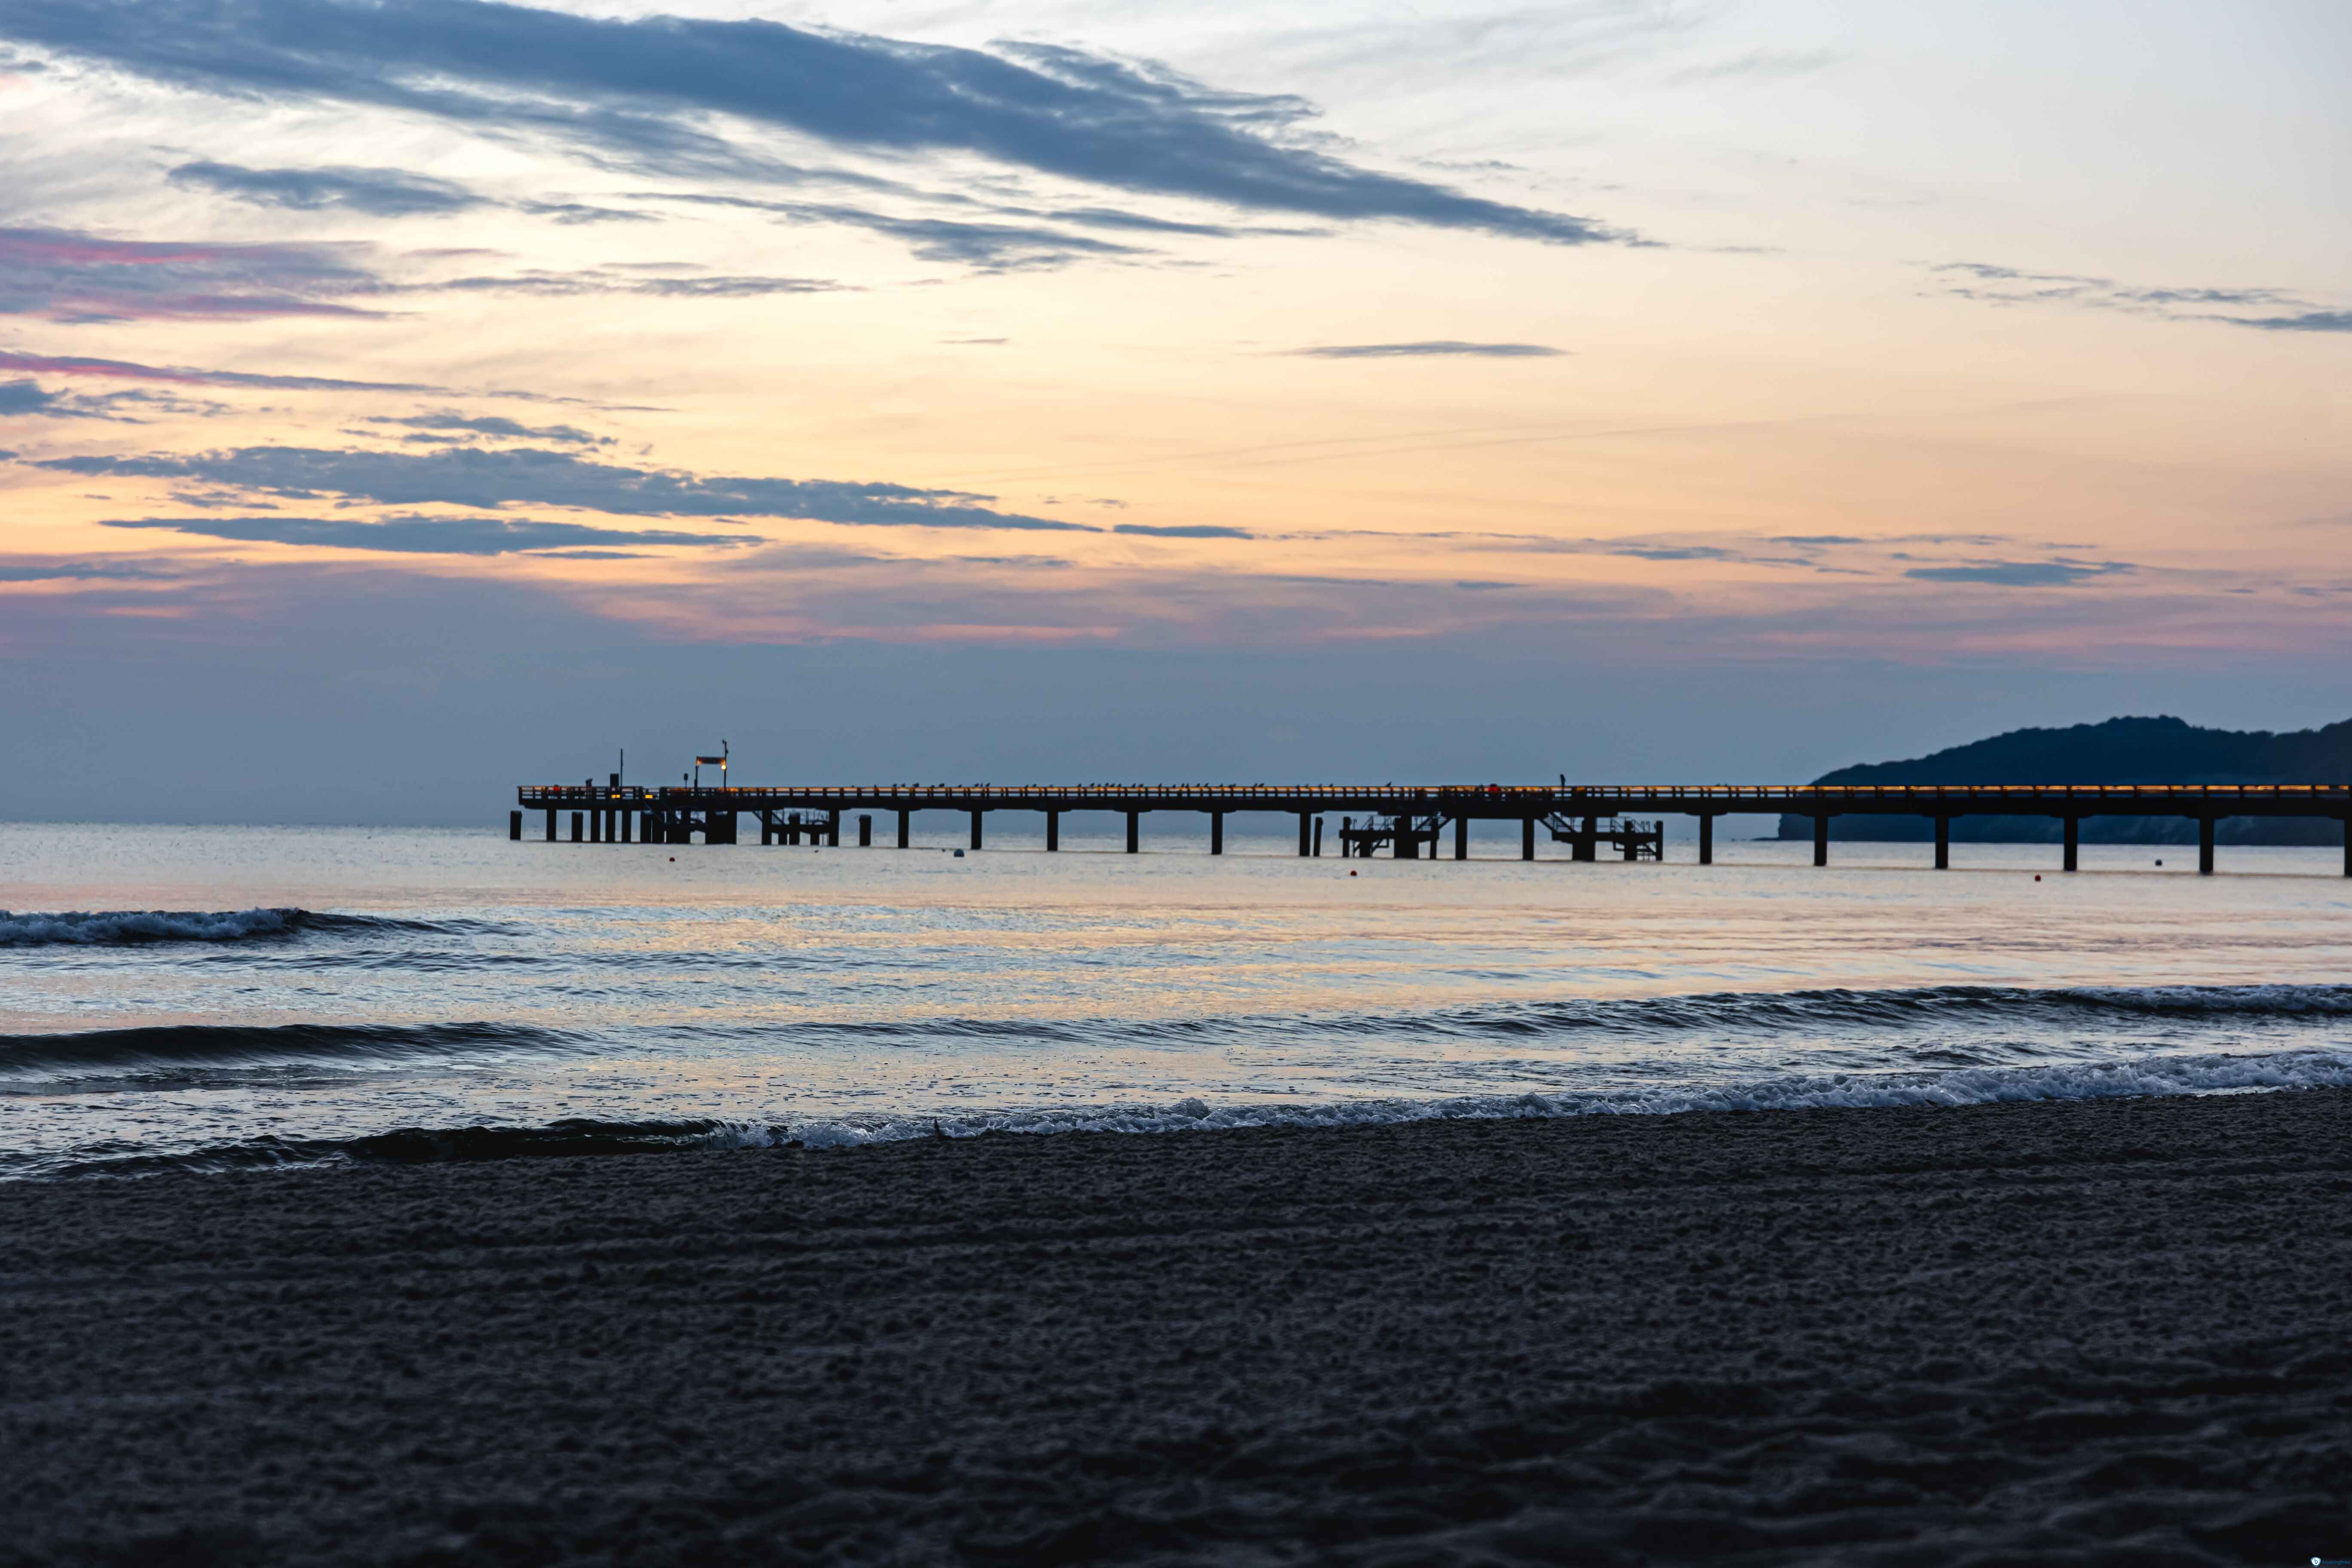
(120,928)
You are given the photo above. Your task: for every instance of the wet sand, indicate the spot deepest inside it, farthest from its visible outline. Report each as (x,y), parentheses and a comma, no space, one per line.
(2113,1332)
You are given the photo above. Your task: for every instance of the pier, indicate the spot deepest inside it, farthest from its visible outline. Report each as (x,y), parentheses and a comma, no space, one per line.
(1409,821)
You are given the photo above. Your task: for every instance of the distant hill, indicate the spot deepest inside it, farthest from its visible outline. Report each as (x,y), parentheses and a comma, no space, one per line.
(2120,751)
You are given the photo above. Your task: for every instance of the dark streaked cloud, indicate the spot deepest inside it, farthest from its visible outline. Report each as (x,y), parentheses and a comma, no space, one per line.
(429,535)
(532,476)
(70,365)
(185,375)
(2021,574)
(69,276)
(29,400)
(995,247)
(380,192)
(23,571)
(449,420)
(2301,322)
(2282,312)
(1436,348)
(646,90)
(608,280)
(1184,530)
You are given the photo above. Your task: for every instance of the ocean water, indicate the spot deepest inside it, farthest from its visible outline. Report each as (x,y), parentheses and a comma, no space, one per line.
(227,997)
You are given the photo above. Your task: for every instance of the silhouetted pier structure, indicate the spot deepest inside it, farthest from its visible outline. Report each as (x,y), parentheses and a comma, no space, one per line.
(1411,820)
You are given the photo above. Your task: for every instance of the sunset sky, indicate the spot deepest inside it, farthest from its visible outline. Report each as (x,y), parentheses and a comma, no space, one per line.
(436,394)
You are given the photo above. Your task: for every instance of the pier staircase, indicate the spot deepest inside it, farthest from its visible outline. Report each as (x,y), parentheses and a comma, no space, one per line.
(1584,836)
(1413,835)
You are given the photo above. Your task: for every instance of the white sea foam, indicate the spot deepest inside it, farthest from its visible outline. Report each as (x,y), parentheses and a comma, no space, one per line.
(2139,1077)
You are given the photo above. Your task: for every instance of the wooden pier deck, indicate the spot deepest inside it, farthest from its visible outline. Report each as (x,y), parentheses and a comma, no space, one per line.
(1410,818)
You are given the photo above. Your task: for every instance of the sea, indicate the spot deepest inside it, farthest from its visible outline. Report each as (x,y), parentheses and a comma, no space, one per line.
(223,998)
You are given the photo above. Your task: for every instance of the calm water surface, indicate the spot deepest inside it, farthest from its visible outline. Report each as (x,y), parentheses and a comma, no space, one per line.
(308,992)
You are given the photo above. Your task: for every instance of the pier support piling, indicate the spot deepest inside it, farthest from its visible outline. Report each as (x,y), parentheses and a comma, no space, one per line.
(1304,818)
(1134,832)
(975,829)
(1053,831)
(2347,851)
(1526,838)
(514,826)
(1707,838)
(550,825)
(1587,846)
(903,815)
(833,829)
(1216,833)
(1943,844)
(1822,840)
(575,827)
(1462,838)
(865,831)
(2073,841)
(2347,846)
(2204,846)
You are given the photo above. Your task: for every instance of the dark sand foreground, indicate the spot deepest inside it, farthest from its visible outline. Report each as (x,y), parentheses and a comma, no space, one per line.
(2080,1333)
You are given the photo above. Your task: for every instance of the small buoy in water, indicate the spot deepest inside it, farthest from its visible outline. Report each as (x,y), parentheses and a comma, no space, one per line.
(673,859)
(1352,873)
(2160,862)
(959,854)
(2037,876)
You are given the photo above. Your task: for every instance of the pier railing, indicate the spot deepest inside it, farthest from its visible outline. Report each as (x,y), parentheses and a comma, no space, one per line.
(676,814)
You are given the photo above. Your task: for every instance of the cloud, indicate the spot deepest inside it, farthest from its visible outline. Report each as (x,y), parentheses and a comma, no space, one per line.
(1184,530)
(429,535)
(380,192)
(997,247)
(648,91)
(607,280)
(86,572)
(2302,321)
(493,425)
(68,276)
(2021,574)
(68,364)
(128,370)
(1994,285)
(1438,348)
(528,476)
(26,400)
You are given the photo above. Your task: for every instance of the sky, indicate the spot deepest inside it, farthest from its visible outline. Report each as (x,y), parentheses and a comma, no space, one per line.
(399,401)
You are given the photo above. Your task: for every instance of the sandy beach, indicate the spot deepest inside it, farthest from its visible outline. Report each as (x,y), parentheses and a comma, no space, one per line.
(2086,1332)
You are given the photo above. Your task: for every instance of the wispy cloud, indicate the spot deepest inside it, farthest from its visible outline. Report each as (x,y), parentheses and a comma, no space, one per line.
(651,91)
(2282,311)
(452,422)
(532,476)
(380,192)
(2063,573)
(609,281)
(993,247)
(68,276)
(1435,348)
(126,370)
(1184,530)
(432,535)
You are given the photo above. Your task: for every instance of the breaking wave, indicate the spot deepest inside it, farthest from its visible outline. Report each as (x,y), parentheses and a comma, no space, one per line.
(2140,1079)
(234,1046)
(116,928)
